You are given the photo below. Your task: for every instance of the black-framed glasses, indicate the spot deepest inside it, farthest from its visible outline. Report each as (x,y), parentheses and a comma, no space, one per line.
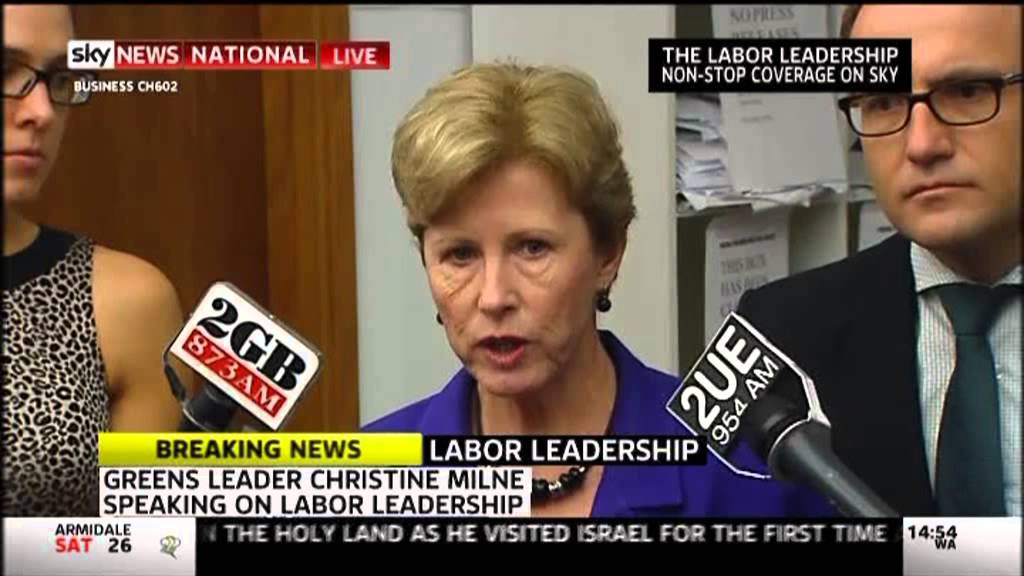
(62,85)
(957,103)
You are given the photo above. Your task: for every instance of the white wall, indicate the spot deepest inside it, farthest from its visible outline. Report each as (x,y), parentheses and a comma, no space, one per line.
(818,234)
(610,44)
(403,354)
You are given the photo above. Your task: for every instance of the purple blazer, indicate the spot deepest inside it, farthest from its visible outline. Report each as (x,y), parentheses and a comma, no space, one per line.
(635,491)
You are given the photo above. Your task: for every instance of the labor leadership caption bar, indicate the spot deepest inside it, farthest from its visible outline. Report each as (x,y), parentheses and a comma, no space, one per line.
(779,65)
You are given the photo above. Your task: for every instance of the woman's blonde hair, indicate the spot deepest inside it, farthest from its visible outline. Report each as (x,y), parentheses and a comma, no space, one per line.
(485,115)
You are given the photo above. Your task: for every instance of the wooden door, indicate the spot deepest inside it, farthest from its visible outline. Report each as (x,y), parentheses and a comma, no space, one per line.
(240,176)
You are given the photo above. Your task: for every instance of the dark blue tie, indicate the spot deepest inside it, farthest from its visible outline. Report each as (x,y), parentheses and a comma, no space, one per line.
(969,466)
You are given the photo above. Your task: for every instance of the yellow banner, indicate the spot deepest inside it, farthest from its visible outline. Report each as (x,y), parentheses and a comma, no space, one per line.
(259,449)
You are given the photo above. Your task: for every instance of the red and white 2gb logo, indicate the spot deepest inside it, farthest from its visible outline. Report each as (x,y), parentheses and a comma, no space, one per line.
(247,353)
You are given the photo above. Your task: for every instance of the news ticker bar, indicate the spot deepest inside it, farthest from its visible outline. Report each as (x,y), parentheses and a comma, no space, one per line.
(391,449)
(227,55)
(185,546)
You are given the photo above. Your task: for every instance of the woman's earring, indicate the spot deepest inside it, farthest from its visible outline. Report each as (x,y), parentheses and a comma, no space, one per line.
(438,318)
(604,303)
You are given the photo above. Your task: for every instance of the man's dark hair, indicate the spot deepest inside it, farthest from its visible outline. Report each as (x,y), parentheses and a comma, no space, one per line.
(849,17)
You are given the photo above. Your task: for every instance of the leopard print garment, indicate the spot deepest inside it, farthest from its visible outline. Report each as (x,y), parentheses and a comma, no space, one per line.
(55,398)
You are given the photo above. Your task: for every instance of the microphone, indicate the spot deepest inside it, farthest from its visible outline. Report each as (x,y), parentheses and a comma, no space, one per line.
(209,410)
(799,450)
(740,388)
(248,359)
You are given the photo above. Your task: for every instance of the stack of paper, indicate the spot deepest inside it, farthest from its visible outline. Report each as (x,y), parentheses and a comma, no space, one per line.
(700,152)
(703,175)
(702,159)
(762,149)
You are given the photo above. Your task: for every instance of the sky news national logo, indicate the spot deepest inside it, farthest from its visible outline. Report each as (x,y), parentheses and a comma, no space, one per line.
(228,55)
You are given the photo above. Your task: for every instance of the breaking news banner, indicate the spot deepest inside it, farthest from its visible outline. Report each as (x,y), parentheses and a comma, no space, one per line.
(778,65)
(296,475)
(321,474)
(227,55)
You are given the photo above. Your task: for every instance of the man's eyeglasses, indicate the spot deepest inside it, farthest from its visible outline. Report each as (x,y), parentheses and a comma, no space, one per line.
(61,84)
(958,103)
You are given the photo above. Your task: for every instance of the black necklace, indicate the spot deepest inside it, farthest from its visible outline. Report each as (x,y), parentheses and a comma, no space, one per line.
(544,490)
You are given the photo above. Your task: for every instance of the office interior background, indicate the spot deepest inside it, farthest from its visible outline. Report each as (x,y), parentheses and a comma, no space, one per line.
(280,182)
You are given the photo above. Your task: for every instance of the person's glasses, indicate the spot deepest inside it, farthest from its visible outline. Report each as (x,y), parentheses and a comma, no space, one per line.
(958,103)
(61,84)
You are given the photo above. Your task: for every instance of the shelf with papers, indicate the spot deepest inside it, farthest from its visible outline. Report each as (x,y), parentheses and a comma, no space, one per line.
(767,185)
(857,193)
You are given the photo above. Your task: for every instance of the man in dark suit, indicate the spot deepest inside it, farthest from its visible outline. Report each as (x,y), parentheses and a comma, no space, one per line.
(914,344)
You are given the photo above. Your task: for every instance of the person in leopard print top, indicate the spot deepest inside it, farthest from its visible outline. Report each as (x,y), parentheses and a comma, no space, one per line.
(84,327)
